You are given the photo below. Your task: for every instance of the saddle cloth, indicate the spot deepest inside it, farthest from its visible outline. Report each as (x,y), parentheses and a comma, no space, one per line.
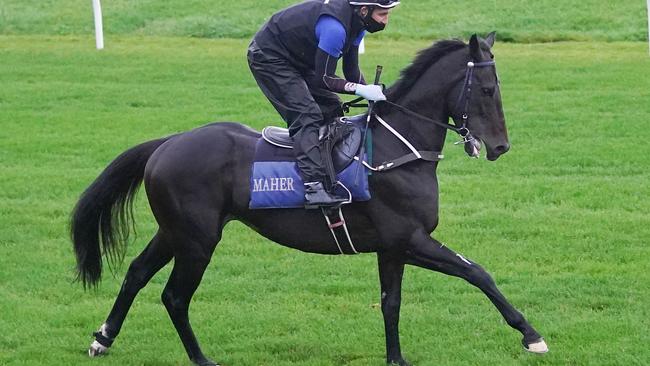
(275,179)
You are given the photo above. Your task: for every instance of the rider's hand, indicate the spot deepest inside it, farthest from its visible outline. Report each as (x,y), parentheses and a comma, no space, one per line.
(371,92)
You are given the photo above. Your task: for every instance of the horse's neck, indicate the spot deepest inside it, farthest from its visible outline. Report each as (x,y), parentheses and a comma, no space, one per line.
(422,134)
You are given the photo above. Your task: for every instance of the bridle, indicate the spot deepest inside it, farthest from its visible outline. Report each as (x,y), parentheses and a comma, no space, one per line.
(463,100)
(462,105)
(464,97)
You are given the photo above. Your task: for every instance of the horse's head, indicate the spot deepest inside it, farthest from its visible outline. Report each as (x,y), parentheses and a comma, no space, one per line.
(478,106)
(452,78)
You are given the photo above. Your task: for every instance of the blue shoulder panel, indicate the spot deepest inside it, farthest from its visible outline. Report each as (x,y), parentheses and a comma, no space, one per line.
(331,35)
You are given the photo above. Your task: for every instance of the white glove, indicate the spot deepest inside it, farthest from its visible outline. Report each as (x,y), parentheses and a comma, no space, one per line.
(371,92)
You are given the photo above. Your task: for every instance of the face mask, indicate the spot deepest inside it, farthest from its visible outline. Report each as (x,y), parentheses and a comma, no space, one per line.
(371,24)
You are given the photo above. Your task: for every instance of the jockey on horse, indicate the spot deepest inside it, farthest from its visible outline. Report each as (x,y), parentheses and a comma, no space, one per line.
(293,58)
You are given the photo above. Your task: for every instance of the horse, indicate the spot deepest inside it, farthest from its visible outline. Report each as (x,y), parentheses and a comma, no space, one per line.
(197,181)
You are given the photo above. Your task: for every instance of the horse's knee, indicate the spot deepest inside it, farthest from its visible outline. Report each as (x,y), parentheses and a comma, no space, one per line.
(389,304)
(479,277)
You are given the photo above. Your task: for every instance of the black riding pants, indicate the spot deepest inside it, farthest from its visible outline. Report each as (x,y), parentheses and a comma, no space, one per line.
(303,107)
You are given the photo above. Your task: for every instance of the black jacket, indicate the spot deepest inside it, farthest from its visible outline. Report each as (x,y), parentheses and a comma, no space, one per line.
(291,33)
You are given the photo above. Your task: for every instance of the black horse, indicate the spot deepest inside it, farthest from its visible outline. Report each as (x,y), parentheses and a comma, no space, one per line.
(198,181)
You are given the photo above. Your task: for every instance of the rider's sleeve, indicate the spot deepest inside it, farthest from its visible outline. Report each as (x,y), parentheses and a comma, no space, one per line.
(351,61)
(325,76)
(331,37)
(351,65)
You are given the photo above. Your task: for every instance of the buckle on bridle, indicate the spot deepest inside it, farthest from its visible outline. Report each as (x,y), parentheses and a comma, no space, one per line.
(466,136)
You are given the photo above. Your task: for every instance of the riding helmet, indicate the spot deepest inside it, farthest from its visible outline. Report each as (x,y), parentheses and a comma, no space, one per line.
(386,4)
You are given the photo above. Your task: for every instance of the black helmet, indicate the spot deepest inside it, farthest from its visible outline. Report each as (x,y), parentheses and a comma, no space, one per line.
(386,4)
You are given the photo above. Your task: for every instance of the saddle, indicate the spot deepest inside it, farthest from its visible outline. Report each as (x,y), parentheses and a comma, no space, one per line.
(275,180)
(340,139)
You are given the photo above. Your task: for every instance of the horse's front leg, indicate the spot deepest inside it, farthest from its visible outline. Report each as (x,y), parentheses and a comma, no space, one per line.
(391,269)
(427,252)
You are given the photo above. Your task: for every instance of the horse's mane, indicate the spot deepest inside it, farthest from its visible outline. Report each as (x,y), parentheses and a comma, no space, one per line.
(422,62)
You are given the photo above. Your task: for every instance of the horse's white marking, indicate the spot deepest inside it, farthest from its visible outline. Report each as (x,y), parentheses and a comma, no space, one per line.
(537,347)
(96,348)
(463,259)
(102,329)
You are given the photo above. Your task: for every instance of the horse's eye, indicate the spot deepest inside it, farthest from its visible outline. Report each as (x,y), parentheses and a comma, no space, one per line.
(488,91)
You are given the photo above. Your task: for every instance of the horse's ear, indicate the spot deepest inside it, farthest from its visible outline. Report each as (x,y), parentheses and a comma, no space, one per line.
(490,39)
(474,48)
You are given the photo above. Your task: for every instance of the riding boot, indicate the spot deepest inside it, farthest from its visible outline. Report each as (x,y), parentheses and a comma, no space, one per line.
(316,196)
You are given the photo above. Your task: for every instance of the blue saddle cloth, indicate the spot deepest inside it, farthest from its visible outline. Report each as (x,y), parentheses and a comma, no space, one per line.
(276,183)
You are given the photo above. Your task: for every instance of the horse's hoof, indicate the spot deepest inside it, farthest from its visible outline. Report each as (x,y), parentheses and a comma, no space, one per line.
(96,349)
(538,346)
(401,362)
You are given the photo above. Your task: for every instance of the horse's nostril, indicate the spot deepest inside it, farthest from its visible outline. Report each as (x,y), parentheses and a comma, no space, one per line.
(502,149)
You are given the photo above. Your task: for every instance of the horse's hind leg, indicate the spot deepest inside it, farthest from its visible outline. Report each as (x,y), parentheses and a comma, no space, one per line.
(195,240)
(176,296)
(151,260)
(426,252)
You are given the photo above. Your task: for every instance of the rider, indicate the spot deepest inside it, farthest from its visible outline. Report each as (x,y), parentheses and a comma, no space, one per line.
(293,58)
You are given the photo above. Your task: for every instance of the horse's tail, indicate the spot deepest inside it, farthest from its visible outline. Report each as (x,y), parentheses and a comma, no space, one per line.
(104,213)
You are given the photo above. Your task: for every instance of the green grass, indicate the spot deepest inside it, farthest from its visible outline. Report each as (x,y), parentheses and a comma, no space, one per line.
(515,20)
(561,221)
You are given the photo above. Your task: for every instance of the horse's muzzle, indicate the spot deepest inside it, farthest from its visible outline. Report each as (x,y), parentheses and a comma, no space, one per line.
(493,154)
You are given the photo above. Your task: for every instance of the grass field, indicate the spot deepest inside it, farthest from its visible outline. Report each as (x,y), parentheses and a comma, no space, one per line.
(516,20)
(561,221)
